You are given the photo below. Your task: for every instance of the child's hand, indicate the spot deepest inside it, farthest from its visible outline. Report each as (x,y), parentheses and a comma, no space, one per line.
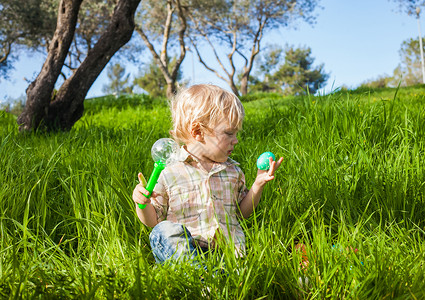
(267,175)
(140,191)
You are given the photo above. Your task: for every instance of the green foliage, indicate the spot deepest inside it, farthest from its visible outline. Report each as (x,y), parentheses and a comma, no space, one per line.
(379,82)
(152,80)
(24,26)
(162,25)
(296,76)
(118,80)
(31,26)
(239,26)
(409,71)
(265,80)
(353,176)
(152,17)
(14,106)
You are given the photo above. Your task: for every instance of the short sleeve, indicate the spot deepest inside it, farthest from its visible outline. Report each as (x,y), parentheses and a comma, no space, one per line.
(160,202)
(242,189)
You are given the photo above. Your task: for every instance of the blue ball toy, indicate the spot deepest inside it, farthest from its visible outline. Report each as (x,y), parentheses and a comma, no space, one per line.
(263,162)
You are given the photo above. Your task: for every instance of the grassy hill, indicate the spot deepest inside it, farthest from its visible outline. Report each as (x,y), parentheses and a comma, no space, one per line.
(353,177)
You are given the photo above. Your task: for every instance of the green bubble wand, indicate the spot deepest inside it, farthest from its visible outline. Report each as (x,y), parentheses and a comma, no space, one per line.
(164,151)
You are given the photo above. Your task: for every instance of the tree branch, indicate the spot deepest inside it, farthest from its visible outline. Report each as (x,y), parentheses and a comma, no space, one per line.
(182,31)
(230,56)
(255,46)
(201,60)
(6,50)
(155,55)
(167,29)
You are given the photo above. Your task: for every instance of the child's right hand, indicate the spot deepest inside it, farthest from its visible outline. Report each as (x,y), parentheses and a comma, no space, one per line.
(139,191)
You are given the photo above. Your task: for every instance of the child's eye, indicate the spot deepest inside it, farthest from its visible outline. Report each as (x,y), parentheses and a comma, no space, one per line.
(229,133)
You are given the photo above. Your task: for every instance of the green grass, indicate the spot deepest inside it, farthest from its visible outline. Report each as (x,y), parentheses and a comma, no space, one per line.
(353,176)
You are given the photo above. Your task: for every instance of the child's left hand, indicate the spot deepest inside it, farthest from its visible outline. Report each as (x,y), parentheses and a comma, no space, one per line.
(264,176)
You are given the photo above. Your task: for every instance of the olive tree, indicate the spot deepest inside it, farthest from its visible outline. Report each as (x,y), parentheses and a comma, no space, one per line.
(61,111)
(30,28)
(162,26)
(29,25)
(237,28)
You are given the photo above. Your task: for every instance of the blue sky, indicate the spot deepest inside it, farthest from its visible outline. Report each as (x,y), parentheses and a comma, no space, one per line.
(356,40)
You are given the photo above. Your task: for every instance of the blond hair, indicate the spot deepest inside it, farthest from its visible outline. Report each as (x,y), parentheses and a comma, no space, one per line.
(203,105)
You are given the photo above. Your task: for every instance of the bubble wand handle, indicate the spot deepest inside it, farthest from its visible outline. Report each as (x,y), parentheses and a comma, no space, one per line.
(158,167)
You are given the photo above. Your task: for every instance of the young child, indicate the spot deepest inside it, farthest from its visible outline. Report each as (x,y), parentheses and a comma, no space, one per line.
(199,198)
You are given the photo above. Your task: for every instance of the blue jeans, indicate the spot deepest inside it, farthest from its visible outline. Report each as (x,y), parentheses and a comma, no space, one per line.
(172,241)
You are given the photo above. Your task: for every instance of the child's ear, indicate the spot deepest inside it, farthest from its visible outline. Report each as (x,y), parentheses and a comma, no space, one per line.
(197,133)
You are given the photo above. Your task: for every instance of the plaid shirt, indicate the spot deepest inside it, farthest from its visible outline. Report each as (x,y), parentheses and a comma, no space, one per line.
(205,202)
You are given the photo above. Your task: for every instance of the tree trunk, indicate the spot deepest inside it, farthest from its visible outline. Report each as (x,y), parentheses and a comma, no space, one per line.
(161,59)
(171,89)
(233,86)
(68,105)
(244,84)
(39,92)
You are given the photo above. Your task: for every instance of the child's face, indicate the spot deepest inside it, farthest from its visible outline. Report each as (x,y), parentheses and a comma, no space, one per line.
(219,144)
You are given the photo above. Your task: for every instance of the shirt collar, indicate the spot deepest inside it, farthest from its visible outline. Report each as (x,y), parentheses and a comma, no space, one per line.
(185,156)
